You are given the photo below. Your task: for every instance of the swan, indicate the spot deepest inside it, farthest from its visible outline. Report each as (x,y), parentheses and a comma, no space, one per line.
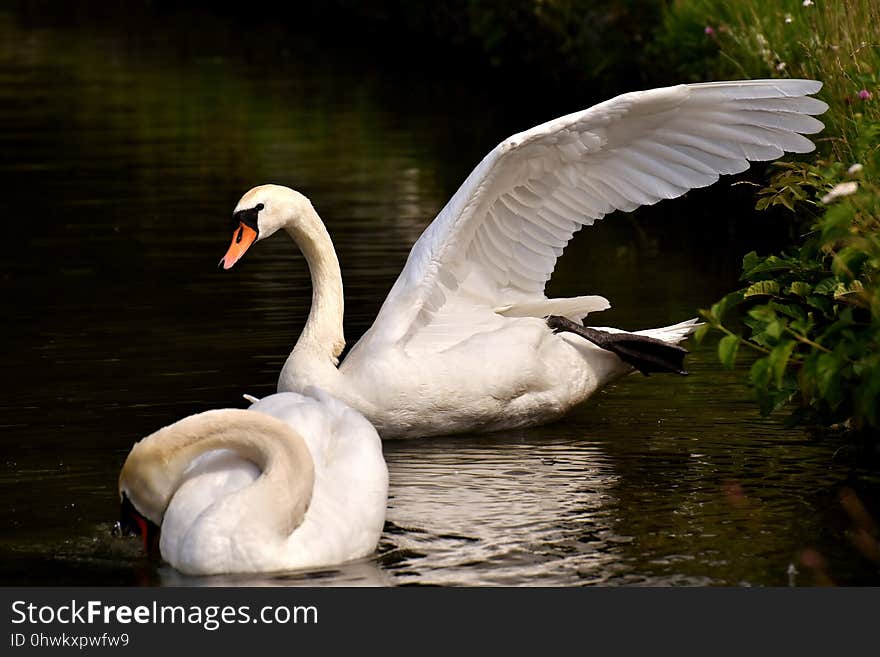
(295,481)
(466,339)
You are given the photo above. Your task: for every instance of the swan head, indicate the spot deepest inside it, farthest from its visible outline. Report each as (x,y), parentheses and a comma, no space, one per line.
(145,489)
(141,508)
(131,521)
(261,212)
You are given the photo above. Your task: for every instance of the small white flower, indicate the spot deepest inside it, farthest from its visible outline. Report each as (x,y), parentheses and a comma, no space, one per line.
(840,189)
(808,3)
(788,18)
(854,169)
(780,66)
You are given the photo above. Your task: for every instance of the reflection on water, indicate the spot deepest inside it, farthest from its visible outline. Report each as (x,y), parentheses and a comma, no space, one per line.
(123,156)
(501,513)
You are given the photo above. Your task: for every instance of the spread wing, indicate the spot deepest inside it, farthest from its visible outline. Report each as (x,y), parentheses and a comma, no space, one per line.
(494,246)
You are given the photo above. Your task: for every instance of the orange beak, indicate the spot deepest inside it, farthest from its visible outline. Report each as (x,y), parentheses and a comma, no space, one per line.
(242,238)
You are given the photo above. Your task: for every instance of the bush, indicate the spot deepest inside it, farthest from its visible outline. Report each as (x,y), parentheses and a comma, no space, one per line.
(812,312)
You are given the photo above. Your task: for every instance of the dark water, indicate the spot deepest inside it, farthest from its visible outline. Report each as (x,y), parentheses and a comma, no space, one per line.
(122,153)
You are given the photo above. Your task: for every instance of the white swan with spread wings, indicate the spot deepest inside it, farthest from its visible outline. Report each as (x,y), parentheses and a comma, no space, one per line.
(466,339)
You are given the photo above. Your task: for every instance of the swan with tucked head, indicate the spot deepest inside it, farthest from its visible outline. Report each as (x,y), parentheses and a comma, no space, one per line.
(466,339)
(293,482)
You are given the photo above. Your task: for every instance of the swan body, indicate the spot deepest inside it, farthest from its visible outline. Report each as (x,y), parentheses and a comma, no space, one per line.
(461,342)
(293,482)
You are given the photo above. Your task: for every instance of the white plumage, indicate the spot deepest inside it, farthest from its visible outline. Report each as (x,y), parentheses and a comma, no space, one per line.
(460,342)
(294,482)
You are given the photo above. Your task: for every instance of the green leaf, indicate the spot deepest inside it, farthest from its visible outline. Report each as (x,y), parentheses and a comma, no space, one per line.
(789,310)
(718,309)
(778,360)
(854,287)
(762,313)
(821,303)
(775,328)
(759,375)
(701,332)
(826,286)
(750,261)
(803,326)
(827,375)
(799,288)
(771,263)
(770,288)
(727,348)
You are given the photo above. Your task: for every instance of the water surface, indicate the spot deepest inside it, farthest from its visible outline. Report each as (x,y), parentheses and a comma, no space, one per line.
(122,154)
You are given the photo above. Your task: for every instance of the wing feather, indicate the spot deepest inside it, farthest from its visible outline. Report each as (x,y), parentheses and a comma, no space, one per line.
(495,244)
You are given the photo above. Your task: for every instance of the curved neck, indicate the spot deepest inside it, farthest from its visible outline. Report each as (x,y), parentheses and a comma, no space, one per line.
(155,468)
(322,334)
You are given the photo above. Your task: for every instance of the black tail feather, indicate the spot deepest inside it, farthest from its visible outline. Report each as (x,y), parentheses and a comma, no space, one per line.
(643,353)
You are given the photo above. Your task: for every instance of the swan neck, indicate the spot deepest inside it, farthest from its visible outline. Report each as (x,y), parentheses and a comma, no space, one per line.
(323,333)
(157,465)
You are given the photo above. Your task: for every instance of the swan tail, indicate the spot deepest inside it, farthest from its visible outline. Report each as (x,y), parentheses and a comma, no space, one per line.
(644,352)
(675,333)
(573,308)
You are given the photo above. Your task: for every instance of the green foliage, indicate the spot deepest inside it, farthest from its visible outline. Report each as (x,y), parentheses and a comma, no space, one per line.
(686,44)
(812,312)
